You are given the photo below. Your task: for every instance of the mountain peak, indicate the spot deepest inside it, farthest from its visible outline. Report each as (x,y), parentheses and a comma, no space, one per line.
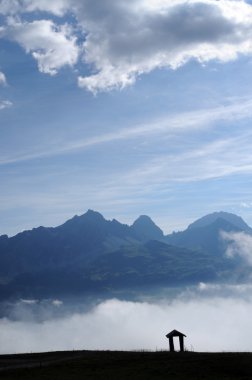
(146,229)
(91,214)
(90,217)
(233,219)
(143,219)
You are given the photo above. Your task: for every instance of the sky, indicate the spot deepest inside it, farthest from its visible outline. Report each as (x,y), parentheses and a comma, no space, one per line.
(127,107)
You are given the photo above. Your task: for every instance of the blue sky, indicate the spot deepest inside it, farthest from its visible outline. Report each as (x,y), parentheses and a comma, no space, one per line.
(128,107)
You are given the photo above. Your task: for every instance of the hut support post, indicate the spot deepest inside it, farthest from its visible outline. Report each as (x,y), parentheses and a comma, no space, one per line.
(171,344)
(181,343)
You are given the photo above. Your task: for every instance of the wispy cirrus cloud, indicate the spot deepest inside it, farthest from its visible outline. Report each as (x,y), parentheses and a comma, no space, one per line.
(171,124)
(218,159)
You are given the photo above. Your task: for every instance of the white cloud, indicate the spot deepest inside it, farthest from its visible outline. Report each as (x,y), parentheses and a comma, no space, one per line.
(124,39)
(9,7)
(51,45)
(239,244)
(115,324)
(29,302)
(246,205)
(57,303)
(3,80)
(57,7)
(5,104)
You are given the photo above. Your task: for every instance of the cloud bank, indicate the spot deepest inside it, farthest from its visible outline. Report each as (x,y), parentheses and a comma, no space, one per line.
(116,41)
(239,244)
(122,325)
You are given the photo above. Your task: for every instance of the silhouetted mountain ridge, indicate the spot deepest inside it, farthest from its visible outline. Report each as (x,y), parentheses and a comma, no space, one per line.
(88,253)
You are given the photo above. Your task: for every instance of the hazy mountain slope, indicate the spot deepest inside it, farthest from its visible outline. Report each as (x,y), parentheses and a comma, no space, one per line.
(144,265)
(233,219)
(205,237)
(154,262)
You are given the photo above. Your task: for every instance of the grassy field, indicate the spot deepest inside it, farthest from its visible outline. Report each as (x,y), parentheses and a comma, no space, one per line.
(110,365)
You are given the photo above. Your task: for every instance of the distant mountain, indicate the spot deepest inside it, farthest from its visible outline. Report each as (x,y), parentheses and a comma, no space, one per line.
(74,243)
(145,229)
(90,254)
(154,263)
(204,234)
(131,267)
(233,219)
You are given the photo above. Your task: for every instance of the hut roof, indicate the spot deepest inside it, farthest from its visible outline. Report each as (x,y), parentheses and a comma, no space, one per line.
(174,333)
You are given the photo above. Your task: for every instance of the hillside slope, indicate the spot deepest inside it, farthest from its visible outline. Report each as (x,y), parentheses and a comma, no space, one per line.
(111,365)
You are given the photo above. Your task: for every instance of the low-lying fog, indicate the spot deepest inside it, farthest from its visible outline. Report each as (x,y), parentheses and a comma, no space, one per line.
(214,318)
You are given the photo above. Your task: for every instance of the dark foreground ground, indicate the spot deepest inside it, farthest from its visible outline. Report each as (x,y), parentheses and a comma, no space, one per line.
(109,365)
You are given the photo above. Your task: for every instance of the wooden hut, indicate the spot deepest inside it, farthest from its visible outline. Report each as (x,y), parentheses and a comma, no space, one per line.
(181,336)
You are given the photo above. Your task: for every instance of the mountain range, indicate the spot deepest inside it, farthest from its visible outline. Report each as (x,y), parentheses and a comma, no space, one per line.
(89,254)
